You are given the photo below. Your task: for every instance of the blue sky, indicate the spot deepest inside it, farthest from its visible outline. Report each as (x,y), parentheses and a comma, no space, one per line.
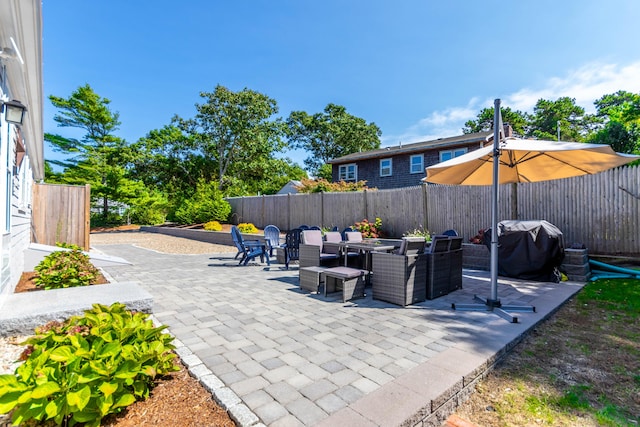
(417,68)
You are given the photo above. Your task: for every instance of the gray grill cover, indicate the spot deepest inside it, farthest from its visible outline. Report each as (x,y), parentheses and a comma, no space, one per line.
(530,250)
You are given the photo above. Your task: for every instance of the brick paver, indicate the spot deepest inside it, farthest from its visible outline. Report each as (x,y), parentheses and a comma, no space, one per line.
(295,358)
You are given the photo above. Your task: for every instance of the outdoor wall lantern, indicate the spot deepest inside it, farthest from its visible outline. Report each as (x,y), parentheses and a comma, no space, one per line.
(14,111)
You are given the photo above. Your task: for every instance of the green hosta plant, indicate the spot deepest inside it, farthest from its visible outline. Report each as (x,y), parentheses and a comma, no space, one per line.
(65,269)
(88,367)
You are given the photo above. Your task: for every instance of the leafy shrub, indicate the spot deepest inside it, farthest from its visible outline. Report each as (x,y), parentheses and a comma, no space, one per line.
(369,229)
(65,269)
(205,205)
(149,208)
(68,246)
(247,227)
(213,226)
(419,232)
(322,185)
(88,367)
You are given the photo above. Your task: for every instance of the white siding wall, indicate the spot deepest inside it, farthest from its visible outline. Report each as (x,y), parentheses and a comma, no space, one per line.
(15,210)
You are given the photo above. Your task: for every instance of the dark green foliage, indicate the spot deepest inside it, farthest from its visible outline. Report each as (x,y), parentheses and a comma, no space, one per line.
(65,269)
(331,134)
(205,205)
(88,367)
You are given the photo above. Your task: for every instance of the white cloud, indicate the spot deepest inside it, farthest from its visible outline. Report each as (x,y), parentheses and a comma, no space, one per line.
(585,84)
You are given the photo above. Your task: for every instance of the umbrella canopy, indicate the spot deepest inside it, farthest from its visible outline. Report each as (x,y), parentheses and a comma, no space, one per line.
(527,160)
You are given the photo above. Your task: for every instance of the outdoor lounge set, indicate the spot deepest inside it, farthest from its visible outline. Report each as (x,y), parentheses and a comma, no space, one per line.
(400,271)
(403,271)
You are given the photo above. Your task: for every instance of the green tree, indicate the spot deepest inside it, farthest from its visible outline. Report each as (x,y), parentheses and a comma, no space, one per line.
(518,120)
(620,112)
(97,157)
(235,130)
(574,124)
(331,134)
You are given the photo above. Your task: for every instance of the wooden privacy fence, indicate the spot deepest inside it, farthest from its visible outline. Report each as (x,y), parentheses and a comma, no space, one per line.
(61,214)
(600,211)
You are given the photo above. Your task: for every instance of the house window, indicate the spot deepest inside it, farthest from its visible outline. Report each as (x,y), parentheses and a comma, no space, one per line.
(385,167)
(348,172)
(450,154)
(417,163)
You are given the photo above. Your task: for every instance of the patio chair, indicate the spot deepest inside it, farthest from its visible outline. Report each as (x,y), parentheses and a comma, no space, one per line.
(450,232)
(250,249)
(345,231)
(272,238)
(411,246)
(353,236)
(312,253)
(291,246)
(399,278)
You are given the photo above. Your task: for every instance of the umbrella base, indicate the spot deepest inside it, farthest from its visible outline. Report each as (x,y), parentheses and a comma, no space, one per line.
(495,306)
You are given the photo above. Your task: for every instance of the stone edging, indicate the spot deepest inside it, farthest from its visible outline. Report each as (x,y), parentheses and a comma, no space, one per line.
(223,395)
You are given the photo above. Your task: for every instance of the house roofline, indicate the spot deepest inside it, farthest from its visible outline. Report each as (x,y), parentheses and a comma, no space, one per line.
(480,137)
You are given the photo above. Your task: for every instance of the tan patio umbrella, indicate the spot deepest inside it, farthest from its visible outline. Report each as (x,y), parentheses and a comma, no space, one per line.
(519,160)
(527,160)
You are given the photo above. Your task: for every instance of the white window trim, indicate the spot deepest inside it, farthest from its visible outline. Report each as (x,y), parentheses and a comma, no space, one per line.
(344,176)
(453,153)
(421,168)
(390,160)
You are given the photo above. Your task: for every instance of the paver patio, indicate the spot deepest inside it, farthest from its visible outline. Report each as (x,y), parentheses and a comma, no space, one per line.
(295,358)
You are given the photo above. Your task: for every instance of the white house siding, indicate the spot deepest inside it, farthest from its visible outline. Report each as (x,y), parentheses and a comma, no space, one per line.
(15,210)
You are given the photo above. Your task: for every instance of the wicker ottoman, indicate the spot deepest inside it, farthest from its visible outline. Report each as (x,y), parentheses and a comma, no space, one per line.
(350,280)
(311,278)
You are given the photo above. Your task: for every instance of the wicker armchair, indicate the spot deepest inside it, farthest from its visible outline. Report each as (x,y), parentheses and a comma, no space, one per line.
(399,278)
(311,251)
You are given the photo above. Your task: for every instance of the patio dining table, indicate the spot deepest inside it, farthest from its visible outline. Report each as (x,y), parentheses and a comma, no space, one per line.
(364,248)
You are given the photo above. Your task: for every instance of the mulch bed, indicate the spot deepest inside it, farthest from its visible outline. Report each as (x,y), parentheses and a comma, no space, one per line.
(26,283)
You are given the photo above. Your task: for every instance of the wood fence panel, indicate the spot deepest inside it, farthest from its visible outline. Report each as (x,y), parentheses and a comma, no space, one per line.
(343,209)
(276,210)
(400,210)
(600,211)
(306,209)
(61,214)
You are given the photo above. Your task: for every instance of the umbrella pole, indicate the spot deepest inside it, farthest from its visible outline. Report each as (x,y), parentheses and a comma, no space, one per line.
(493,302)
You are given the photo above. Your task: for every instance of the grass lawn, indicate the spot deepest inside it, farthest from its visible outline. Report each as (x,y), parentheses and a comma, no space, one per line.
(579,368)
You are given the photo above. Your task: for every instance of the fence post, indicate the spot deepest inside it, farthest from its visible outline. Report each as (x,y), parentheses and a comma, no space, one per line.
(366,205)
(322,209)
(288,211)
(514,200)
(425,206)
(87,216)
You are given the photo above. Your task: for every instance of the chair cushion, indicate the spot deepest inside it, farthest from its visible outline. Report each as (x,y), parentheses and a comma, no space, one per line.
(312,237)
(333,236)
(353,236)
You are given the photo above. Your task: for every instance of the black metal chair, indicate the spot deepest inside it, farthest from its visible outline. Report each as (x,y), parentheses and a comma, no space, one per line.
(292,246)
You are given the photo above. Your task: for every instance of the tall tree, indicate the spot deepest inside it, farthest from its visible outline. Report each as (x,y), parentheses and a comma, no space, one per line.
(331,134)
(518,120)
(564,114)
(235,130)
(96,158)
(621,113)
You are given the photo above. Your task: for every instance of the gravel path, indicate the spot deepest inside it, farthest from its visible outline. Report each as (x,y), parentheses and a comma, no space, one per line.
(158,242)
